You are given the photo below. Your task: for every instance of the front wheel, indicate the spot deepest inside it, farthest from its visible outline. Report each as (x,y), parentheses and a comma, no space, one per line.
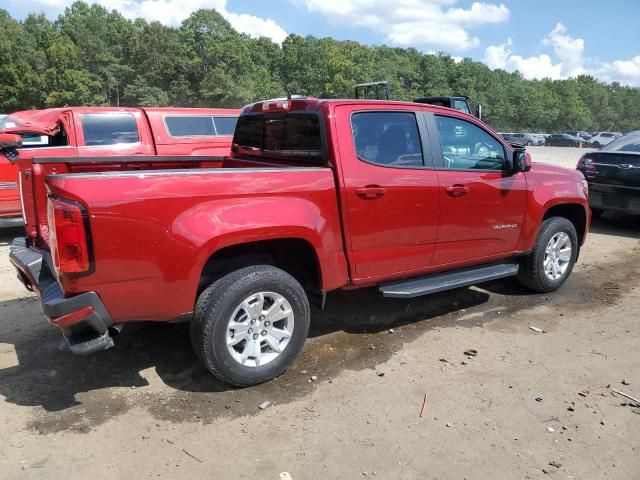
(553,256)
(250,325)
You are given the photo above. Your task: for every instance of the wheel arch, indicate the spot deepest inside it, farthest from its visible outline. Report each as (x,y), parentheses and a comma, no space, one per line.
(575,213)
(295,255)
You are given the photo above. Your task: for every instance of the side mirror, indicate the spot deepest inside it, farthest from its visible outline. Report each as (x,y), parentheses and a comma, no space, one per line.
(10,141)
(479,112)
(521,161)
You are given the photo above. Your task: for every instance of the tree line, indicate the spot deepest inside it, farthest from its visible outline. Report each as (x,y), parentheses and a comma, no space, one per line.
(92,56)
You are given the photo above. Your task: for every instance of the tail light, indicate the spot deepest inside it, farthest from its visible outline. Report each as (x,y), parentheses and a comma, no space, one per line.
(69,236)
(585,163)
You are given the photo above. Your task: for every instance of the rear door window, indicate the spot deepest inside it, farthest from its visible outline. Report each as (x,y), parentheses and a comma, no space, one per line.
(390,139)
(109,129)
(193,126)
(200,125)
(225,125)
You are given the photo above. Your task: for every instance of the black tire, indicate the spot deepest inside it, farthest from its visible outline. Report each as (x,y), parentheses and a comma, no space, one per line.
(531,273)
(596,213)
(215,307)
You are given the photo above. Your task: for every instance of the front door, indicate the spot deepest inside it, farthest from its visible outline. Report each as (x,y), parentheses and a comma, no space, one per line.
(482,202)
(389,190)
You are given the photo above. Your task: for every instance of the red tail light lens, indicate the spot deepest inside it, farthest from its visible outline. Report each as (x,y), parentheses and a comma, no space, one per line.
(585,163)
(68,236)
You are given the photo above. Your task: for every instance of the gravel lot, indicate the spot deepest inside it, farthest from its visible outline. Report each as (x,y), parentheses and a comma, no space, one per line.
(530,405)
(561,156)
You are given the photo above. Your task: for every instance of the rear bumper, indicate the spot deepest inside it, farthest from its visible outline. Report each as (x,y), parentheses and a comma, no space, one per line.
(83,318)
(614,198)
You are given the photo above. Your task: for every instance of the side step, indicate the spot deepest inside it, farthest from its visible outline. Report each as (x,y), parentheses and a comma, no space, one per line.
(438,282)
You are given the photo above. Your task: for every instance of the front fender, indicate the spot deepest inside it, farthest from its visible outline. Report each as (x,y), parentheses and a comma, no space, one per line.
(550,187)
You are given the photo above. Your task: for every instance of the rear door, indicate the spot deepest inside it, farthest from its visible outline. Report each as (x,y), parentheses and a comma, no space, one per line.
(389,190)
(482,203)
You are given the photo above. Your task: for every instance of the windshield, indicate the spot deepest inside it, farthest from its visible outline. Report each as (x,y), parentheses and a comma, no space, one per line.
(628,143)
(279,135)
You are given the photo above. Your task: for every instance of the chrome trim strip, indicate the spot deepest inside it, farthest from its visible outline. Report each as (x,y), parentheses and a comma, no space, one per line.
(162,173)
(131,159)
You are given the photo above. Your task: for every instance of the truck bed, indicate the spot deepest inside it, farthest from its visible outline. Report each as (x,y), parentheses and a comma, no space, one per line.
(152,231)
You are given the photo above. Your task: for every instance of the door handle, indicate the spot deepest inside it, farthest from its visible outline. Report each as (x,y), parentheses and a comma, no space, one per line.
(457,190)
(370,192)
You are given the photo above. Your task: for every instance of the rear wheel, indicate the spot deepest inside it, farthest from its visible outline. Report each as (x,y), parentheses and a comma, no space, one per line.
(553,256)
(250,325)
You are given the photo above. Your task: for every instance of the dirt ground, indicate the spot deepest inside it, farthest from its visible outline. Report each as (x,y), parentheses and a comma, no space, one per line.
(529,405)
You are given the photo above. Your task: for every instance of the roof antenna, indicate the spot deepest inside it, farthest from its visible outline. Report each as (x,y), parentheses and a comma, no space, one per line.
(286,87)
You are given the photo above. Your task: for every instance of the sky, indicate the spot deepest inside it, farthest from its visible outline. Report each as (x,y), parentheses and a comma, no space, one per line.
(540,38)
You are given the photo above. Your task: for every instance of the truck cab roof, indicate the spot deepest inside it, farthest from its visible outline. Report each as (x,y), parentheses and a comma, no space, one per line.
(317,104)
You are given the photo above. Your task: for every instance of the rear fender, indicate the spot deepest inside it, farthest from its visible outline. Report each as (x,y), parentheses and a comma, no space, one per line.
(218,224)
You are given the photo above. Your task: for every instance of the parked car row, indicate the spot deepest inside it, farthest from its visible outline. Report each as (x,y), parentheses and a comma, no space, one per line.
(564,140)
(577,138)
(524,138)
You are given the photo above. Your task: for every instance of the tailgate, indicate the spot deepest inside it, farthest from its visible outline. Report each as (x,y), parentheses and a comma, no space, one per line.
(9,193)
(613,168)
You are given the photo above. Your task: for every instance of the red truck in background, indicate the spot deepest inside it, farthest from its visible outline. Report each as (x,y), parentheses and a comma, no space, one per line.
(78,132)
(317,195)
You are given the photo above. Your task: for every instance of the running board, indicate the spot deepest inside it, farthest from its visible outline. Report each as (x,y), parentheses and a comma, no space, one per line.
(439,282)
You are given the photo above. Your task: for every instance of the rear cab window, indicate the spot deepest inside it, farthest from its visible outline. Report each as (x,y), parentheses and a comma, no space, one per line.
(109,129)
(296,136)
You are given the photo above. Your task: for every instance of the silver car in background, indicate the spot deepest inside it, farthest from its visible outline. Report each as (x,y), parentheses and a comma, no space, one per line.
(527,139)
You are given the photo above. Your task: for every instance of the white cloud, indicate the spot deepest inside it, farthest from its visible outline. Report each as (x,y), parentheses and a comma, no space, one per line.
(256,26)
(501,56)
(433,23)
(568,49)
(623,71)
(570,60)
(173,12)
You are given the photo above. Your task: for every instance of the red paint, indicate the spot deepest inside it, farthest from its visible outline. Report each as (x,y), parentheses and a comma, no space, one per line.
(154,140)
(152,232)
(72,318)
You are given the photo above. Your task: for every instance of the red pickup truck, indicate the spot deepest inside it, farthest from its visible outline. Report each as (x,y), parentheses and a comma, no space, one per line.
(317,195)
(107,131)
